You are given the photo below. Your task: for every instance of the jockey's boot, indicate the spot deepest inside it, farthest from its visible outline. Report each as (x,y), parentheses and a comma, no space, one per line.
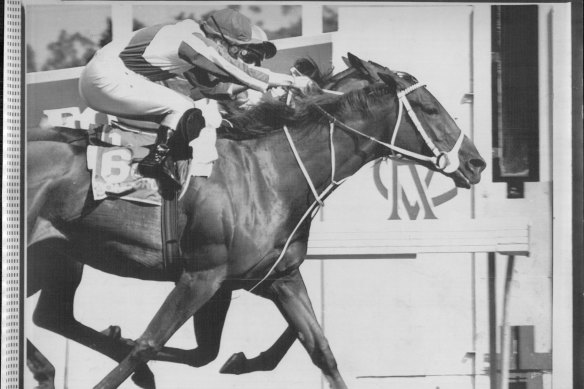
(157,163)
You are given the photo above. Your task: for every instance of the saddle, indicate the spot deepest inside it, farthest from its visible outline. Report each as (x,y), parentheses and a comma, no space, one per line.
(113,154)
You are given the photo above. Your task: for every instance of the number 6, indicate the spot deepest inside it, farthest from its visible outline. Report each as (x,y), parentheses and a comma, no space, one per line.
(115,165)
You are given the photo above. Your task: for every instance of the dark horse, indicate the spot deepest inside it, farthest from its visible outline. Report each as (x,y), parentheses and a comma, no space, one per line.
(243,224)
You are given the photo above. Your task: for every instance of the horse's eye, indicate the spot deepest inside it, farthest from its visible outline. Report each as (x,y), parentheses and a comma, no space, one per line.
(429,109)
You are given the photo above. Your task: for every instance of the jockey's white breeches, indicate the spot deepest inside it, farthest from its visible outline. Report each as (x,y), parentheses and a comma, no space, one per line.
(107,85)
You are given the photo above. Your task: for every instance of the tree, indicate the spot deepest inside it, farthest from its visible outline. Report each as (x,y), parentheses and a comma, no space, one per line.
(31,65)
(183,16)
(70,50)
(106,35)
(295,29)
(330,19)
(287,9)
(256,9)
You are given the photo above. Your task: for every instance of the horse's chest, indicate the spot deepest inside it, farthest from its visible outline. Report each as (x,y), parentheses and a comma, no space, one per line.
(238,221)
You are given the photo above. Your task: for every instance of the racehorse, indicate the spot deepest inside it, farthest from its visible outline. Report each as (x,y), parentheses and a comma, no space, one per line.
(246,222)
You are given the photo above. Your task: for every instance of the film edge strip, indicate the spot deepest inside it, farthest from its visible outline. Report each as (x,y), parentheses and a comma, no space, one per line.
(11,193)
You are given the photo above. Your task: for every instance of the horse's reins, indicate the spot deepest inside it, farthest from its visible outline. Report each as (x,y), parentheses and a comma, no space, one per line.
(443,161)
(318,198)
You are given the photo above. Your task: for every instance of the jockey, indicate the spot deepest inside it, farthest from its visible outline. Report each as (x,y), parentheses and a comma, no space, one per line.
(220,57)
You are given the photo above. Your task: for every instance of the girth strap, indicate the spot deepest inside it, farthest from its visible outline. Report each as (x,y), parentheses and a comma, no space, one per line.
(169,230)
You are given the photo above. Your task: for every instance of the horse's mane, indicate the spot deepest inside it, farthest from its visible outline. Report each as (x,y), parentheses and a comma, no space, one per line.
(271,114)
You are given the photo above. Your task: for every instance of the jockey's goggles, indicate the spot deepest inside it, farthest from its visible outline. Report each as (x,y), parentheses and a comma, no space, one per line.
(251,56)
(247,52)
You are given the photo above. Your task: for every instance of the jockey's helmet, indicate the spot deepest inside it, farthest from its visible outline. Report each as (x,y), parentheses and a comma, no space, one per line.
(238,30)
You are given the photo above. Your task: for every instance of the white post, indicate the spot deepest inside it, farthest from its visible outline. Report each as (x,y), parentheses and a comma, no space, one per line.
(562,361)
(482,137)
(311,19)
(122,21)
(505,328)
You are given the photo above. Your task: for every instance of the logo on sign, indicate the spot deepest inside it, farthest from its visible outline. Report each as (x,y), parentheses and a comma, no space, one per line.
(413,191)
(72,117)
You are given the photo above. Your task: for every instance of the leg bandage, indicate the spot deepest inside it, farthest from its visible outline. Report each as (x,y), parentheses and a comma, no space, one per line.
(204,150)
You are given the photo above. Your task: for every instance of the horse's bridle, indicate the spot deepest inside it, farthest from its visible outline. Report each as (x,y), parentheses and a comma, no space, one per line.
(441,159)
(448,162)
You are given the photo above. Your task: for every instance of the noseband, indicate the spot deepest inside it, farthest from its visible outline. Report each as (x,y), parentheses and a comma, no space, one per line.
(448,162)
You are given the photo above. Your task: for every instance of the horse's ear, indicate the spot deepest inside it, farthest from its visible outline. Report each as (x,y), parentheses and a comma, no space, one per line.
(376,64)
(362,66)
(356,62)
(346,61)
(389,80)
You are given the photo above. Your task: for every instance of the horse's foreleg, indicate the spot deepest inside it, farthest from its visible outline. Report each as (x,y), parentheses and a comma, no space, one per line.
(268,360)
(54,312)
(191,292)
(43,371)
(289,294)
(58,280)
(208,323)
(54,309)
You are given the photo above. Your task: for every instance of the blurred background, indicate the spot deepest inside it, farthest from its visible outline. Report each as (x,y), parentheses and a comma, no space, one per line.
(61,40)
(501,71)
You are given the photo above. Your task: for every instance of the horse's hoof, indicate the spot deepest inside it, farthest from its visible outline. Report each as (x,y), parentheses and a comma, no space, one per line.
(45,385)
(144,349)
(113,332)
(234,365)
(42,370)
(143,377)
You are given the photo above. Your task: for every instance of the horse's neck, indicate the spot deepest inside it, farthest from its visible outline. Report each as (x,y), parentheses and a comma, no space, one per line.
(314,148)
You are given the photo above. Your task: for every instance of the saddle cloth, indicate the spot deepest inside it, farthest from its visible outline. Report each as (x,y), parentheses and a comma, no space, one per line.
(114,164)
(116,151)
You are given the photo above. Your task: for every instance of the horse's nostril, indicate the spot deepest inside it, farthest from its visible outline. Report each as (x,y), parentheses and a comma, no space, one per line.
(477,164)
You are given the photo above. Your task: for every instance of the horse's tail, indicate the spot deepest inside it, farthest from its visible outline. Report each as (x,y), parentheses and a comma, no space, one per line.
(49,165)
(74,136)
